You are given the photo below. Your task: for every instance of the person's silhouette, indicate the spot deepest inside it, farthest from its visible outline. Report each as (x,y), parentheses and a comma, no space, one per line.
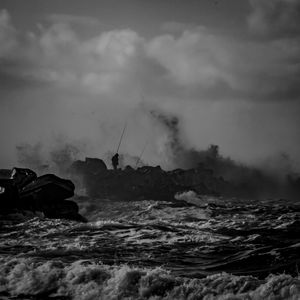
(115,161)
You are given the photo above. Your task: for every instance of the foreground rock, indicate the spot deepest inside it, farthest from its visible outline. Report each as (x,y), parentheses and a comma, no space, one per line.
(145,182)
(21,191)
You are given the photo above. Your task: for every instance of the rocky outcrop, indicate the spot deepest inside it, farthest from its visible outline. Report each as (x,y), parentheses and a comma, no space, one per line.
(22,191)
(145,182)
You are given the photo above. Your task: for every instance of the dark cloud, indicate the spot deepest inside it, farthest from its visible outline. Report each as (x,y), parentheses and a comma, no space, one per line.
(65,18)
(7,34)
(275,18)
(194,64)
(213,67)
(12,82)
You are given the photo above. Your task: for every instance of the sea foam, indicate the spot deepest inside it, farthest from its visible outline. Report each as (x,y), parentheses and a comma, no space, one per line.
(87,280)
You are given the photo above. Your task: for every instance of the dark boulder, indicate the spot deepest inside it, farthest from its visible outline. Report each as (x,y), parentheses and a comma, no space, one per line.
(65,209)
(21,190)
(48,188)
(91,166)
(22,177)
(8,191)
(143,183)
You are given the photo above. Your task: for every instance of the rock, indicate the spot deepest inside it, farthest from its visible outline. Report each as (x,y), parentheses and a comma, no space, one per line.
(9,196)
(64,209)
(48,188)
(21,190)
(143,183)
(90,165)
(22,177)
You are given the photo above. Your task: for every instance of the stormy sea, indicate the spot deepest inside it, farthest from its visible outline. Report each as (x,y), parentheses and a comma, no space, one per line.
(204,247)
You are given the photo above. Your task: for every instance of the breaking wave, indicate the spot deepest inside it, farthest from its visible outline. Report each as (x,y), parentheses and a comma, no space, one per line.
(86,280)
(192,248)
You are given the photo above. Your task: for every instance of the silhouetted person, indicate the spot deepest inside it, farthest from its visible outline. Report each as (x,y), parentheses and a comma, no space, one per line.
(115,161)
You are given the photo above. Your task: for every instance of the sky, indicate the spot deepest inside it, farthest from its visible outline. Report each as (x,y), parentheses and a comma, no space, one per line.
(74,72)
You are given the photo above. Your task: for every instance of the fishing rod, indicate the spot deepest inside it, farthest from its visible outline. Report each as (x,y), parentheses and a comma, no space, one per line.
(121,137)
(139,158)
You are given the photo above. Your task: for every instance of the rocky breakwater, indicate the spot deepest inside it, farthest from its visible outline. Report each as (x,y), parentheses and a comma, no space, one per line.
(144,183)
(23,192)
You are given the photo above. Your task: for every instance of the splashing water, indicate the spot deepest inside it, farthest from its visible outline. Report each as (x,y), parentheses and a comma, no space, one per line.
(211,249)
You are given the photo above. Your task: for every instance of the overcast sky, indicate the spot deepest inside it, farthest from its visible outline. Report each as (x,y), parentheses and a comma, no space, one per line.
(74,71)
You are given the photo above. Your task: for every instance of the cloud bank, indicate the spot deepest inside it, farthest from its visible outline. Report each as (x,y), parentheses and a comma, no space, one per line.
(61,86)
(275,18)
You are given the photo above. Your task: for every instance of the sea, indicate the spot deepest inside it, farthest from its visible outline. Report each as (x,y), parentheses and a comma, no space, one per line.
(195,247)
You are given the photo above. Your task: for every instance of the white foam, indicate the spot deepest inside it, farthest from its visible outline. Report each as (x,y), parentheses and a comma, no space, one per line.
(87,280)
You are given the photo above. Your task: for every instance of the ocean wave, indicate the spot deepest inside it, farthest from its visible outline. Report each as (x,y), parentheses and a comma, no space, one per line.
(237,238)
(87,280)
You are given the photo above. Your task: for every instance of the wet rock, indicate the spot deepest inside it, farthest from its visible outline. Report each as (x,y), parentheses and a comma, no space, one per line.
(21,190)
(22,177)
(8,191)
(143,183)
(64,209)
(48,188)
(90,166)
